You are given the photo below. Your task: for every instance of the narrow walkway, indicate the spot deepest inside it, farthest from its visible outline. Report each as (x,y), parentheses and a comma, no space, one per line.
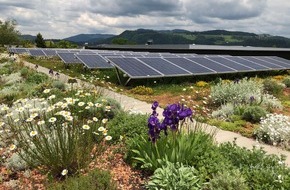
(129,103)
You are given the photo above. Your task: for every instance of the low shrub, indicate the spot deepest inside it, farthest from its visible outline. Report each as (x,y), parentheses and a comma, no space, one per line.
(260,170)
(272,87)
(229,180)
(58,84)
(36,78)
(254,114)
(110,107)
(24,72)
(174,176)
(237,92)
(201,84)
(94,180)
(125,125)
(274,129)
(286,81)
(142,90)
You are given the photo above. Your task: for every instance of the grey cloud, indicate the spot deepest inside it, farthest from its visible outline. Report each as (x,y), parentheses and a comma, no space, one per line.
(134,8)
(224,9)
(4,5)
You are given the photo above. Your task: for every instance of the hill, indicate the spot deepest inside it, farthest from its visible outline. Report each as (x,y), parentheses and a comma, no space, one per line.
(212,37)
(83,38)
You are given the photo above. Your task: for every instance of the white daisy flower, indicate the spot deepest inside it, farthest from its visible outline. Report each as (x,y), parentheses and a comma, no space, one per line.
(86,127)
(52,120)
(101,128)
(33,133)
(81,103)
(46,91)
(64,172)
(105,120)
(12,147)
(95,119)
(108,138)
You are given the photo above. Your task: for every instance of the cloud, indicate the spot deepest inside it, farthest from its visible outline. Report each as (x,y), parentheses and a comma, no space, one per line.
(207,11)
(134,8)
(62,18)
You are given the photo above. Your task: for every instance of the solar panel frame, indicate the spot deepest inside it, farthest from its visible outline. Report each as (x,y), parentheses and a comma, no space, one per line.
(134,68)
(165,67)
(94,61)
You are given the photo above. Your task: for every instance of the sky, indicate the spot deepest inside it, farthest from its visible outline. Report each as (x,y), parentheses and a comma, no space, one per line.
(59,19)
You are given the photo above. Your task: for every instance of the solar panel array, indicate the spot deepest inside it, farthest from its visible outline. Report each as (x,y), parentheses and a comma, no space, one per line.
(153,65)
(199,65)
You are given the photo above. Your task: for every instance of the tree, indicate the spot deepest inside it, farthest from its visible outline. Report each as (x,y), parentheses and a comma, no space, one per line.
(40,41)
(8,33)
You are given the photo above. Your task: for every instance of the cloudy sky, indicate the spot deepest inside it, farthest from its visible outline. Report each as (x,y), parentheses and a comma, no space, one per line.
(64,18)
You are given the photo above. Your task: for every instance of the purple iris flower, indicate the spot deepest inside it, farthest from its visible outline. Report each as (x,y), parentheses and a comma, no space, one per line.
(172,114)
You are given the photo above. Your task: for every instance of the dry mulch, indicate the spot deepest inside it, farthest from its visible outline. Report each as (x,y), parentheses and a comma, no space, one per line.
(125,176)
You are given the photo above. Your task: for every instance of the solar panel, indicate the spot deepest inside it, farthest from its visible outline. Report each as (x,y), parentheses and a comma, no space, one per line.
(248,63)
(165,67)
(232,64)
(279,59)
(68,57)
(190,66)
(49,52)
(282,63)
(263,63)
(74,50)
(215,66)
(20,50)
(94,61)
(36,52)
(135,68)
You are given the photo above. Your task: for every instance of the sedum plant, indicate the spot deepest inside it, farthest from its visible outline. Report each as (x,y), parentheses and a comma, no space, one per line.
(174,176)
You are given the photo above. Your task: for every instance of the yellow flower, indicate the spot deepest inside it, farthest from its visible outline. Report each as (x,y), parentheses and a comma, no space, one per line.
(108,138)
(33,133)
(64,172)
(86,127)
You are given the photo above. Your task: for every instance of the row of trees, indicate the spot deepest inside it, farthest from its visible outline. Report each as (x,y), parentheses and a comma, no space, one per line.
(9,35)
